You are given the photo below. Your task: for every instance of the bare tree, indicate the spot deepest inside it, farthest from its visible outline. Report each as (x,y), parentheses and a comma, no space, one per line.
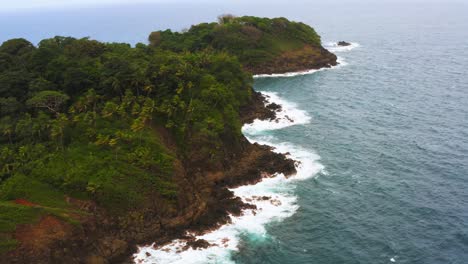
(51,100)
(155,38)
(225,18)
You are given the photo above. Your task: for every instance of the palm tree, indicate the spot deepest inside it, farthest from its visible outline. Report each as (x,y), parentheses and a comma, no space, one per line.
(6,127)
(58,128)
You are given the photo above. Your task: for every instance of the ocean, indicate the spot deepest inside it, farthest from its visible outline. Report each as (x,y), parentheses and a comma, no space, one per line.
(381,140)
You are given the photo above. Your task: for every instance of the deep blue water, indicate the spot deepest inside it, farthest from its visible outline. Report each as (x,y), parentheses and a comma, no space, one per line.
(391,127)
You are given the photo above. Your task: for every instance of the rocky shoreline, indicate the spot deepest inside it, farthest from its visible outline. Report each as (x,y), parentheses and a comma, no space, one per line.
(305,59)
(205,205)
(256,163)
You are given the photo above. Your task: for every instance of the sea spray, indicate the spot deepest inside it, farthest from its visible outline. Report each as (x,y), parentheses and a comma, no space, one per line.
(299,73)
(274,197)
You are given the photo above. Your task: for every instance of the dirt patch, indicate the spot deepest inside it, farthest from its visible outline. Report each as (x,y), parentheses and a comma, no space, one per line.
(24,202)
(38,237)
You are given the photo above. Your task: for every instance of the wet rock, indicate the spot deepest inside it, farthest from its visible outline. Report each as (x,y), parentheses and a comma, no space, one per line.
(343,43)
(258,109)
(197,244)
(274,107)
(289,119)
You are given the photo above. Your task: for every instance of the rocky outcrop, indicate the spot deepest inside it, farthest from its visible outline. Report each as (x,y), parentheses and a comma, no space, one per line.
(307,58)
(343,43)
(257,109)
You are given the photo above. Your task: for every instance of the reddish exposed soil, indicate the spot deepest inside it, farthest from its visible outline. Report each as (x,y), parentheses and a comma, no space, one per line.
(24,202)
(38,237)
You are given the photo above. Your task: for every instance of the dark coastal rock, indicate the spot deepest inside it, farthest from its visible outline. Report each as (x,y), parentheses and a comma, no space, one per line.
(111,248)
(274,107)
(257,110)
(197,244)
(307,58)
(343,43)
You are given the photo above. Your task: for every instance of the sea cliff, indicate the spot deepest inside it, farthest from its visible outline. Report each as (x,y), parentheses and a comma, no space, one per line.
(204,204)
(140,144)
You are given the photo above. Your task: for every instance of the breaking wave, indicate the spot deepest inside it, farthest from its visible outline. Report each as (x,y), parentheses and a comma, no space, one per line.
(274,197)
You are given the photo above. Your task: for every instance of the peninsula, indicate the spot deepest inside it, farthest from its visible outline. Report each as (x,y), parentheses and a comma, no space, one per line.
(106,146)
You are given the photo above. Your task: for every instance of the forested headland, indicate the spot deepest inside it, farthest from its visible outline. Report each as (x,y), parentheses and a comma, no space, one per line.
(104,145)
(262,45)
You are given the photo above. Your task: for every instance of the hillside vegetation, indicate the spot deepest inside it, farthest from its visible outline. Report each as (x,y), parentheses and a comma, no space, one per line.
(104,146)
(80,119)
(262,45)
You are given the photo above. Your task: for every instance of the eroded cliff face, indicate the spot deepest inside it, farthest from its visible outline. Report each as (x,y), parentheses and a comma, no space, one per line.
(204,202)
(307,58)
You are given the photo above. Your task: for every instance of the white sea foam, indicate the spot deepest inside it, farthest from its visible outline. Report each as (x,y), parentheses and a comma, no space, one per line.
(331,46)
(288,116)
(288,74)
(279,190)
(281,202)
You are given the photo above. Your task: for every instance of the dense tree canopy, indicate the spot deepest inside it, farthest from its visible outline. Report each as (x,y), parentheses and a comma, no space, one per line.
(80,118)
(253,40)
(91,121)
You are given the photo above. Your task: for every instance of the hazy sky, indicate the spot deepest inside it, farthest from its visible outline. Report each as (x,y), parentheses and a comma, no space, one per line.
(21,4)
(131,23)
(12,5)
